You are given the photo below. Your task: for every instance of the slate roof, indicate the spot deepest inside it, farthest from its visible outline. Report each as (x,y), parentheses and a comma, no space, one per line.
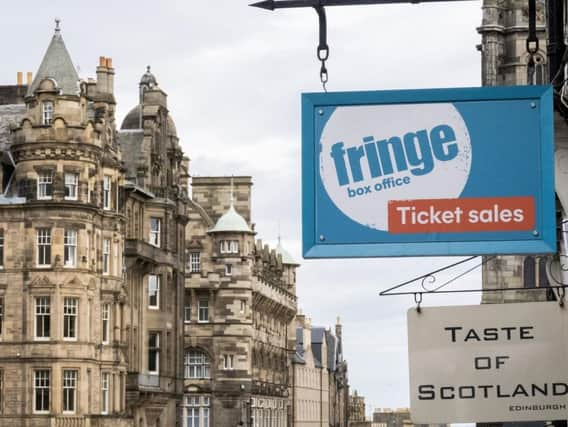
(286,257)
(319,334)
(57,65)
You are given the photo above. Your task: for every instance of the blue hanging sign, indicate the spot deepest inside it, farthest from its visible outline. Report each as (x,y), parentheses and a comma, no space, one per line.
(428,172)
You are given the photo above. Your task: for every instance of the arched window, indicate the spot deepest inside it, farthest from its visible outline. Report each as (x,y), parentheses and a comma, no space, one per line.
(197,364)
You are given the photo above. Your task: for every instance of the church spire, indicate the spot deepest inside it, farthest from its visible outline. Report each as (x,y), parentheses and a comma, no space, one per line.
(58,66)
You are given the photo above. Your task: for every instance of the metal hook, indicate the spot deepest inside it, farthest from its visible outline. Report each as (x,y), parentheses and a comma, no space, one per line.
(418,300)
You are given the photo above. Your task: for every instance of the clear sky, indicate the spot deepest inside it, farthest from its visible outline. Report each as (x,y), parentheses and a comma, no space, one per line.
(234,75)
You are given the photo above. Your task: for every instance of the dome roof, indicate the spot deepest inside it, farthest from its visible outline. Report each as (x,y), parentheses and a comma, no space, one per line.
(132,121)
(231,222)
(286,257)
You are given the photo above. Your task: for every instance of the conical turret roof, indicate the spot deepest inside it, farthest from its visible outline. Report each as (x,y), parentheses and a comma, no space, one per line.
(231,222)
(286,257)
(57,65)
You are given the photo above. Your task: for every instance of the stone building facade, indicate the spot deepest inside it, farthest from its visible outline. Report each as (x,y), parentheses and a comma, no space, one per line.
(356,408)
(123,301)
(505,60)
(320,386)
(240,302)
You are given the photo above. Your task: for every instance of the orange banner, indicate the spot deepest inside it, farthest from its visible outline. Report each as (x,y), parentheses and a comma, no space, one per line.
(461,215)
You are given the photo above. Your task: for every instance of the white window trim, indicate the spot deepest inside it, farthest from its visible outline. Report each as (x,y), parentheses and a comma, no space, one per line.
(228,269)
(105,393)
(47,113)
(1,329)
(186,314)
(107,192)
(73,237)
(44,178)
(199,301)
(157,305)
(106,253)
(36,314)
(2,247)
(195,262)
(157,348)
(74,411)
(75,185)
(154,235)
(35,388)
(43,244)
(228,362)
(107,319)
(75,315)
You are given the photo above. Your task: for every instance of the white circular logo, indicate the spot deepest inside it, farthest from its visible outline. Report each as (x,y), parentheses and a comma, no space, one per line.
(373,154)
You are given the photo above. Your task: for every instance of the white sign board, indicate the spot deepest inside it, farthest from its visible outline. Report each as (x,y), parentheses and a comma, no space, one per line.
(488,363)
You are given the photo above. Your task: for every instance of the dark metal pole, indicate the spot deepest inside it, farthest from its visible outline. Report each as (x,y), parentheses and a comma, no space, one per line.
(285,4)
(556,46)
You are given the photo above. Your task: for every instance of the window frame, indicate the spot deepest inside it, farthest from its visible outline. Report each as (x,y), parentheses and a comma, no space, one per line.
(187,314)
(43,242)
(154,352)
(47,113)
(45,185)
(228,362)
(196,365)
(195,262)
(228,269)
(105,326)
(202,308)
(196,410)
(42,388)
(107,192)
(69,385)
(154,232)
(69,186)
(70,318)
(70,248)
(156,291)
(105,393)
(1,248)
(106,256)
(39,304)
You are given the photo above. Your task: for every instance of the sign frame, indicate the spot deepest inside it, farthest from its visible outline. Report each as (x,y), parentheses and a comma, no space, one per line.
(314,241)
(484,363)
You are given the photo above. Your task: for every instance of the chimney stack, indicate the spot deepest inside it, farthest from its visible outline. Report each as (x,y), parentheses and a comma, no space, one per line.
(20,78)
(102,77)
(110,76)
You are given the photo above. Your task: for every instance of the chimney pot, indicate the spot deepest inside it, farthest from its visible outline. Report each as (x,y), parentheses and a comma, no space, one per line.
(109,62)
(20,78)
(102,61)
(29,78)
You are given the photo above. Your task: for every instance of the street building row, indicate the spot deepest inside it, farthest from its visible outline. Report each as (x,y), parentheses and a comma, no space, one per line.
(128,298)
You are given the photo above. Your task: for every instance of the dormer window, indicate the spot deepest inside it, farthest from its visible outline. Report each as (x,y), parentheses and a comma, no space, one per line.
(47,113)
